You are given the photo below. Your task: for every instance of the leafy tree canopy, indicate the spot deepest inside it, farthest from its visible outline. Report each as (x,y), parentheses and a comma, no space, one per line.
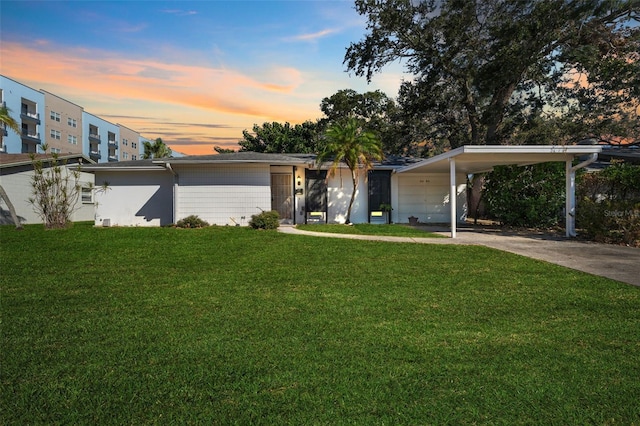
(375,112)
(157,149)
(283,138)
(489,71)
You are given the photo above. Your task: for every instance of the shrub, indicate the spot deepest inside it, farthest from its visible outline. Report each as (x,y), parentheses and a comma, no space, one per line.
(609,205)
(265,220)
(530,196)
(192,221)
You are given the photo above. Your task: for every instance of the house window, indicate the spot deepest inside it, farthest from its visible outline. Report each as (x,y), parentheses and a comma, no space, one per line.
(87,195)
(125,155)
(72,139)
(72,122)
(125,142)
(55,116)
(55,134)
(134,145)
(56,150)
(134,157)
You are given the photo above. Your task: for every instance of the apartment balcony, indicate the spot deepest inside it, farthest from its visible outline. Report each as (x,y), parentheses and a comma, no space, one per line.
(95,155)
(113,158)
(112,144)
(30,117)
(31,137)
(4,132)
(94,137)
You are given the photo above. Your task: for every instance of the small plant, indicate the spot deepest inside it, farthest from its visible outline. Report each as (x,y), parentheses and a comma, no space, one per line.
(386,207)
(56,190)
(192,221)
(265,220)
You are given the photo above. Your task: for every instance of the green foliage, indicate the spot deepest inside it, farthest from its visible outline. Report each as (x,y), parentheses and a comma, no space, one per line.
(157,149)
(531,196)
(265,328)
(56,190)
(283,138)
(608,204)
(488,71)
(265,220)
(192,221)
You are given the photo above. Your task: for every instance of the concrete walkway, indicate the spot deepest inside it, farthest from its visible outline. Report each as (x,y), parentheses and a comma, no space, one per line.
(615,262)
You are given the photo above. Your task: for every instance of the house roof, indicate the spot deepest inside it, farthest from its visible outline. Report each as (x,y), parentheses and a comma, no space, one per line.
(483,158)
(469,159)
(14,160)
(241,157)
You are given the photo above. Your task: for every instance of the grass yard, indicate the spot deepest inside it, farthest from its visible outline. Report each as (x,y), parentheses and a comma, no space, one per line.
(394,230)
(228,325)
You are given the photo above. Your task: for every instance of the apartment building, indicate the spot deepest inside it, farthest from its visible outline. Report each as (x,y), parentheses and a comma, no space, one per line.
(129,144)
(64,125)
(25,106)
(101,138)
(46,118)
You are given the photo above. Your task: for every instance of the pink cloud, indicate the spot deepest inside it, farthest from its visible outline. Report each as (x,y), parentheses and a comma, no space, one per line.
(107,83)
(109,75)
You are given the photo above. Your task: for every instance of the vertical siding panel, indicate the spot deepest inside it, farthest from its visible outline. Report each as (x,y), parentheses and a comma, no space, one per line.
(221,192)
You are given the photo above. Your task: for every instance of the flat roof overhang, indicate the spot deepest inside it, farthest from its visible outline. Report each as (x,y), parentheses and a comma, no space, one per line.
(471,159)
(477,159)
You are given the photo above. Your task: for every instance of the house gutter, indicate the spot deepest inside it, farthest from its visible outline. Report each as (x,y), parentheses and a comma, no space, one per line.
(167,165)
(570,193)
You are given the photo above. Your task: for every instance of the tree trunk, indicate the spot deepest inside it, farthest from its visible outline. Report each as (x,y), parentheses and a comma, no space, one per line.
(354,178)
(12,210)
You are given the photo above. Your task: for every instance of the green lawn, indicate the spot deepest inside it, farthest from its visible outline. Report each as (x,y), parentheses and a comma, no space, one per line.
(233,326)
(394,230)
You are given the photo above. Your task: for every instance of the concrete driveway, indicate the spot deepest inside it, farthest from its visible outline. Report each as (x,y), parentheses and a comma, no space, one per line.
(615,262)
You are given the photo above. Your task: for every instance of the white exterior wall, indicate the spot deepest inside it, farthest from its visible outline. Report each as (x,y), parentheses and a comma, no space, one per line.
(224,193)
(426,196)
(135,198)
(19,189)
(339,189)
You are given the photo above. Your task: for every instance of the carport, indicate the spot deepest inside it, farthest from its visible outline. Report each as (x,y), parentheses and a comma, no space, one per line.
(471,159)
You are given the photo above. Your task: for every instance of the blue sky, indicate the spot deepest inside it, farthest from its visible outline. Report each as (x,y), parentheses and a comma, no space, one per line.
(194,73)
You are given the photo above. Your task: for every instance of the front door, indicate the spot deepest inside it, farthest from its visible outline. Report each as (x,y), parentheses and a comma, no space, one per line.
(316,199)
(282,196)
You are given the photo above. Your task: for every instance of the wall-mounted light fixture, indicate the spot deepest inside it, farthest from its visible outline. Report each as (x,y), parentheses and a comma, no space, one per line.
(299,181)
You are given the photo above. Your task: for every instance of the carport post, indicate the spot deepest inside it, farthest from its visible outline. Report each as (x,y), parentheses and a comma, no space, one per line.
(570,200)
(453,195)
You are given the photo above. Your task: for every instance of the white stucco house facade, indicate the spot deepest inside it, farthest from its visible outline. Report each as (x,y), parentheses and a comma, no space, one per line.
(16,177)
(227,189)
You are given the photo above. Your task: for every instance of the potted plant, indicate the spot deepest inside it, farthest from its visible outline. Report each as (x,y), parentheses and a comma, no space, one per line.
(386,208)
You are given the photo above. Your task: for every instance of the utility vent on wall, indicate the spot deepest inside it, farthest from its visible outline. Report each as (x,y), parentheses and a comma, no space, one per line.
(106,222)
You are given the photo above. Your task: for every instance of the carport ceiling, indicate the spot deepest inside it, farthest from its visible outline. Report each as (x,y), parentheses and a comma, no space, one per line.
(478,159)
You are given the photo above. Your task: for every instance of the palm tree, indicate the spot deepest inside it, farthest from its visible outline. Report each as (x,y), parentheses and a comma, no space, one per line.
(9,122)
(157,149)
(347,142)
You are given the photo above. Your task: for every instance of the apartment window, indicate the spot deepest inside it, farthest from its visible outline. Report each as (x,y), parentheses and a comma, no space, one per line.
(125,142)
(55,116)
(72,122)
(134,145)
(125,155)
(134,157)
(87,195)
(55,134)
(56,150)
(72,139)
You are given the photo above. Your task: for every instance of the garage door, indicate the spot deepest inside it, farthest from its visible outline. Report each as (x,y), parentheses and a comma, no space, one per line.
(423,196)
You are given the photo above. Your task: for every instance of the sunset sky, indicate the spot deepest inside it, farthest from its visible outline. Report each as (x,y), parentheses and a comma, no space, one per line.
(195,74)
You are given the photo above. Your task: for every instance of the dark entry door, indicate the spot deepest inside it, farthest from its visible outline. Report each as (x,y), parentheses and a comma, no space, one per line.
(316,199)
(379,191)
